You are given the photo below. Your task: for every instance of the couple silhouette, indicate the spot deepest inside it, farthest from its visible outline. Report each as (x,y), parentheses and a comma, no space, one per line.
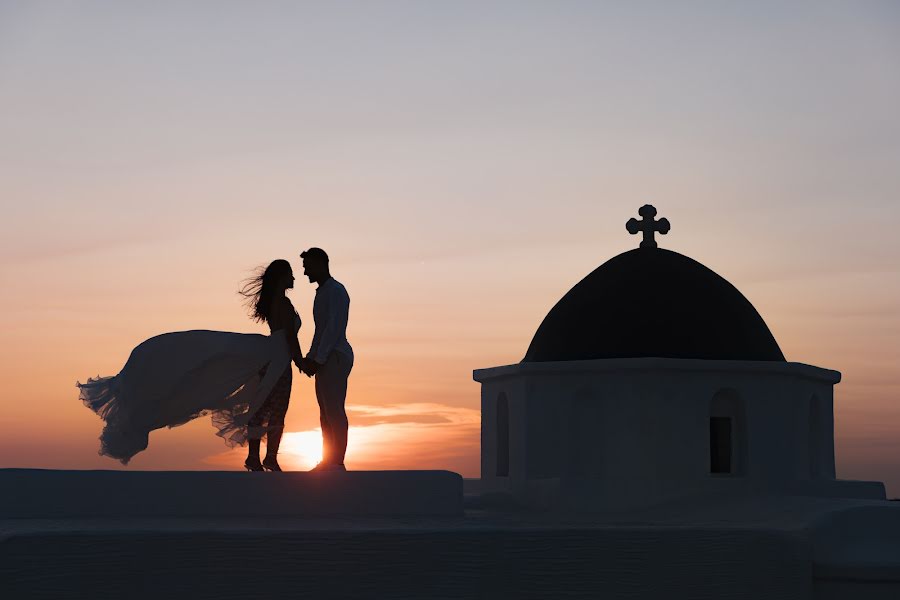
(243,381)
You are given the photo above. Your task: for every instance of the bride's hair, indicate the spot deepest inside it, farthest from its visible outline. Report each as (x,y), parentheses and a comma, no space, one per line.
(259,289)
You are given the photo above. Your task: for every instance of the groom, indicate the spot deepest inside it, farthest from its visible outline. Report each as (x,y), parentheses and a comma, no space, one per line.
(330,357)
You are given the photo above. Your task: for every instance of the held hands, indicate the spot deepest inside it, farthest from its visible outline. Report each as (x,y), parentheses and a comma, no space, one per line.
(300,362)
(312,367)
(308,366)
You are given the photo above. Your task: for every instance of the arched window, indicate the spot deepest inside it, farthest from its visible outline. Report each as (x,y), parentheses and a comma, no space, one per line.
(727,434)
(721,444)
(502,436)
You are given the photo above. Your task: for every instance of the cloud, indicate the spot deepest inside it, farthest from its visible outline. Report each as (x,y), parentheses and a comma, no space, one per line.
(366,419)
(414,412)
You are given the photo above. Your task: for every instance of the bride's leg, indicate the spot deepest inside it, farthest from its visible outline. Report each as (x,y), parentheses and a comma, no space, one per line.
(252,463)
(253,450)
(273,441)
(281,397)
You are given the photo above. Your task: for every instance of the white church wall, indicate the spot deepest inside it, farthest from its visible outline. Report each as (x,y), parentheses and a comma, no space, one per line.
(780,431)
(545,431)
(513,390)
(627,431)
(821,435)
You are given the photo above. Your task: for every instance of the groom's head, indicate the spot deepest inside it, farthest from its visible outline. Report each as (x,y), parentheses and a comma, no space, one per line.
(315,265)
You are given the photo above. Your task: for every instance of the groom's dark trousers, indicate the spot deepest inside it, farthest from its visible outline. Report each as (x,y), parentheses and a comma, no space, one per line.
(331,392)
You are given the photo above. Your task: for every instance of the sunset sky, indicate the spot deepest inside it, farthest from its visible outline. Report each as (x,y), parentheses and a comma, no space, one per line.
(464,164)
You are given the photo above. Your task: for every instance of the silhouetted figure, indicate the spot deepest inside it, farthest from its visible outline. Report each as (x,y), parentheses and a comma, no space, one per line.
(242,380)
(270,305)
(330,357)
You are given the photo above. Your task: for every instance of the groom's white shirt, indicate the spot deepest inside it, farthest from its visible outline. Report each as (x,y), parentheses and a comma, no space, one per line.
(331,310)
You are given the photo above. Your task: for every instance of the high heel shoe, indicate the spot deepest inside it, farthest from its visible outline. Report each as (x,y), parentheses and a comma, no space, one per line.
(271,465)
(253,465)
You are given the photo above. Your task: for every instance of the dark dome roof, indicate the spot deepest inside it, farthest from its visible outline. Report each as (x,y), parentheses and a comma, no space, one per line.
(653,302)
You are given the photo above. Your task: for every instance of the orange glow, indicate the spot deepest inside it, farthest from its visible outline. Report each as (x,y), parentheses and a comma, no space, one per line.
(411,436)
(301,450)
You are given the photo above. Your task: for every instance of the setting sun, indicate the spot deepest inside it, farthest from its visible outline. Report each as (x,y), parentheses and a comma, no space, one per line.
(301,449)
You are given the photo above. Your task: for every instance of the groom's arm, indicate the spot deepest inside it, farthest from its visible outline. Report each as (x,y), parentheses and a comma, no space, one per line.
(335,322)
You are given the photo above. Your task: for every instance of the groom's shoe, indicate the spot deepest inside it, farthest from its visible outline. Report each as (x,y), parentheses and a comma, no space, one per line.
(322,467)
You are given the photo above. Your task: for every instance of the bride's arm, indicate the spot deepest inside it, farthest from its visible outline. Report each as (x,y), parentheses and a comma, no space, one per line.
(286,317)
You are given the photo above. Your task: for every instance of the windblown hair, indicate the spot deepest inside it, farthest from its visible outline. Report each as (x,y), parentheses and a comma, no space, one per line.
(259,289)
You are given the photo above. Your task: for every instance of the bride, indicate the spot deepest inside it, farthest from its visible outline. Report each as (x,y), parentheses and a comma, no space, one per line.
(242,380)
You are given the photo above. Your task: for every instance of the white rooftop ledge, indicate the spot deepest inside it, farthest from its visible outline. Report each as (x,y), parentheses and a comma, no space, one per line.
(613,365)
(37,493)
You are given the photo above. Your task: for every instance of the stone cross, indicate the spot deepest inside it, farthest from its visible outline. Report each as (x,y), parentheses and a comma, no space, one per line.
(648,226)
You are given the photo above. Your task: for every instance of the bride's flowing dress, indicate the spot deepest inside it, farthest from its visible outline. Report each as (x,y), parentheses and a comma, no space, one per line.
(173,378)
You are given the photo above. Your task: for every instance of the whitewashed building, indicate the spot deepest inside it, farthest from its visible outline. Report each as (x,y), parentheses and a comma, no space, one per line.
(654,379)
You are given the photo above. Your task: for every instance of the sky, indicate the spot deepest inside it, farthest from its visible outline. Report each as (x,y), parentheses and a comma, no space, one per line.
(464,164)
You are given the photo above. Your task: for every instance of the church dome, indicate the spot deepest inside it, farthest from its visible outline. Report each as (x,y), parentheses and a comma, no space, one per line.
(651,302)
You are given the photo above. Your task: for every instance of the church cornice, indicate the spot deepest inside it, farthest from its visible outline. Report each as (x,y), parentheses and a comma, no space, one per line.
(660,364)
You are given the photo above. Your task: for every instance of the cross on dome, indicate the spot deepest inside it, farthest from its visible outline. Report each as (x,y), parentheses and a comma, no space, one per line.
(648,225)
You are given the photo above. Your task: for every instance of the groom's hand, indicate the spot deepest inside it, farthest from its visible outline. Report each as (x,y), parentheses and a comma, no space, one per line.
(311,366)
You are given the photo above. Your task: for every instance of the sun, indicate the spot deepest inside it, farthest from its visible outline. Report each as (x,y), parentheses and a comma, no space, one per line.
(302,449)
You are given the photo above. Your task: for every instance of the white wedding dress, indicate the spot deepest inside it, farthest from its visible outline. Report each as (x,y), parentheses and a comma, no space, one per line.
(173,378)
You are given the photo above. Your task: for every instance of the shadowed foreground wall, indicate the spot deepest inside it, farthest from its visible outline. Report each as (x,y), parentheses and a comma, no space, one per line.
(399,562)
